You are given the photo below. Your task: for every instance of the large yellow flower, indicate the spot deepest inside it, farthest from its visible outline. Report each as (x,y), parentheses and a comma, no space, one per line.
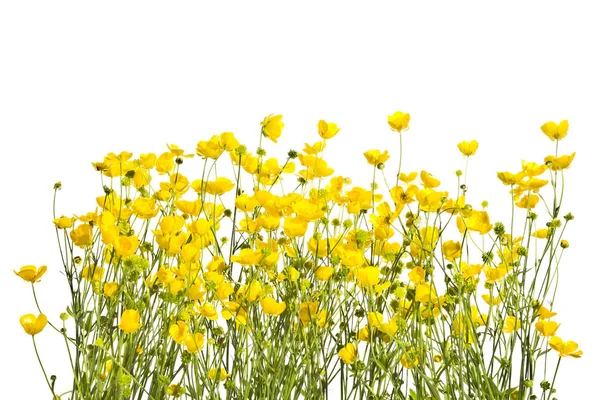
(272,127)
(565,349)
(32,324)
(554,131)
(348,353)
(375,157)
(468,148)
(130,321)
(30,273)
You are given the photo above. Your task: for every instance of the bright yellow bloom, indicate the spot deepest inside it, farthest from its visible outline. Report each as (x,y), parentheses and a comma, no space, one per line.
(478,221)
(126,245)
(408,178)
(531,168)
(375,157)
(218,374)
(489,300)
(409,363)
(32,324)
(219,186)
(63,222)
(368,276)
(417,275)
(130,321)
(511,324)
(425,293)
(228,141)
(271,307)
(528,201)
(554,131)
(194,342)
(209,149)
(533,184)
(324,273)
(30,273)
(468,148)
(565,349)
(247,257)
(250,292)
(145,208)
(348,353)
(178,331)
(315,148)
(165,162)
(110,289)
(451,250)
(398,121)
(148,160)
(511,179)
(82,235)
(546,328)
(272,127)
(327,130)
(208,310)
(295,227)
(428,180)
(560,163)
(544,313)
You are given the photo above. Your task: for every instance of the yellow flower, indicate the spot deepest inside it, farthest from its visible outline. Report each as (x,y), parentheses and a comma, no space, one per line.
(425,293)
(554,131)
(92,273)
(165,162)
(178,151)
(228,141)
(511,324)
(30,273)
(130,321)
(32,324)
(511,179)
(368,276)
(209,311)
(211,149)
(126,245)
(478,221)
(348,353)
(82,235)
(295,227)
(324,273)
(546,328)
(63,222)
(417,275)
(398,121)
(148,160)
(375,157)
(194,342)
(408,178)
(560,163)
(272,127)
(540,233)
(544,313)
(409,363)
(565,349)
(327,130)
(468,148)
(491,301)
(219,186)
(178,331)
(451,250)
(145,208)
(428,180)
(533,184)
(110,289)
(271,307)
(218,374)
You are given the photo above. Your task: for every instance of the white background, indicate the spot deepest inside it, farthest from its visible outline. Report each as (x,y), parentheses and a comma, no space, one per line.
(78,80)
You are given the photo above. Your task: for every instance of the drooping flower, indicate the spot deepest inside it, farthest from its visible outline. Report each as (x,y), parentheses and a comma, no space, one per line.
(272,127)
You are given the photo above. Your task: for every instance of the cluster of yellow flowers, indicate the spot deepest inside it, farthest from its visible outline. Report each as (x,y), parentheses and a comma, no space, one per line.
(181,285)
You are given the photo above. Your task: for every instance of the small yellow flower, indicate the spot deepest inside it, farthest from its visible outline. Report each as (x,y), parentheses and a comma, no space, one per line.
(228,141)
(375,157)
(210,149)
(560,163)
(348,353)
(92,273)
(409,363)
(82,235)
(63,222)
(511,324)
(295,227)
(544,313)
(32,324)
(272,127)
(511,179)
(271,307)
(218,374)
(324,273)
(194,342)
(219,186)
(417,275)
(178,331)
(398,121)
(145,208)
(468,148)
(554,131)
(428,180)
(130,321)
(110,289)
(546,328)
(425,293)
(30,273)
(327,130)
(565,349)
(451,250)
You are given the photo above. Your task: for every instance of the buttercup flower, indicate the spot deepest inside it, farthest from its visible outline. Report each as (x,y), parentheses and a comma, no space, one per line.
(30,273)
(130,321)
(327,130)
(554,131)
(32,324)
(398,121)
(348,353)
(565,349)
(272,127)
(468,148)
